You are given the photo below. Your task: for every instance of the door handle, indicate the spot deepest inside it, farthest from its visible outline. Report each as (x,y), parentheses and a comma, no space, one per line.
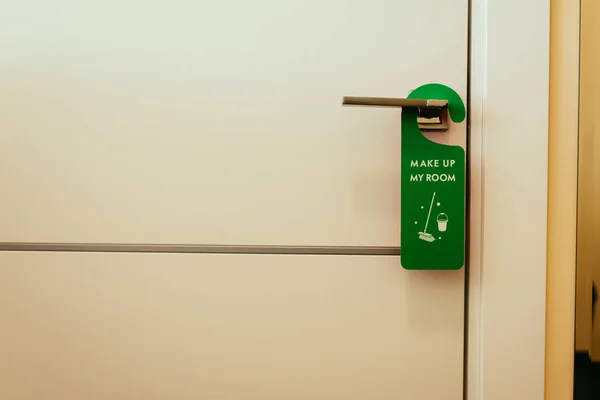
(432,114)
(433,178)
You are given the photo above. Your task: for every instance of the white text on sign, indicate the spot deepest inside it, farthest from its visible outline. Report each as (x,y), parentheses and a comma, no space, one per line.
(432,163)
(432,177)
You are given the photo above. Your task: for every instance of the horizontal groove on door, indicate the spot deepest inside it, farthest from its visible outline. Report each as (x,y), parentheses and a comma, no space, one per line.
(199,249)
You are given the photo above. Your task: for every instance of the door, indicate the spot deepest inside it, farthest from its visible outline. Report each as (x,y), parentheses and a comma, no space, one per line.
(127,125)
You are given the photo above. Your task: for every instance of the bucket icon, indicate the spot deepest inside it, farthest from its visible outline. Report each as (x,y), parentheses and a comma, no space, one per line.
(442,220)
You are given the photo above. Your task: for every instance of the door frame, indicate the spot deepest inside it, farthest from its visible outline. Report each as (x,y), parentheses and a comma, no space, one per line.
(563,168)
(508,150)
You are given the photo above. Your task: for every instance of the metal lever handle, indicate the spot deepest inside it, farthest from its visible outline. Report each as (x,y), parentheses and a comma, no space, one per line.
(393,102)
(432,115)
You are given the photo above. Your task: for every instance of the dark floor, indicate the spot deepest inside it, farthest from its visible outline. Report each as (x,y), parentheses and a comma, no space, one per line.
(587,378)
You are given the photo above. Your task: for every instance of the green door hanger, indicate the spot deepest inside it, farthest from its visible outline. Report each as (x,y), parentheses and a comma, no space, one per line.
(432,188)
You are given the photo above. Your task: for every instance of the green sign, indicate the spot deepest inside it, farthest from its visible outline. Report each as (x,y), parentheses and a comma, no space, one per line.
(432,235)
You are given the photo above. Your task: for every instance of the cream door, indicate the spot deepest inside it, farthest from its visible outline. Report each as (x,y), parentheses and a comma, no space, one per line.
(194,126)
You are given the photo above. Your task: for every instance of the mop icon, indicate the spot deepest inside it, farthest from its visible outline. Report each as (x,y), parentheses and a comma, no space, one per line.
(428,237)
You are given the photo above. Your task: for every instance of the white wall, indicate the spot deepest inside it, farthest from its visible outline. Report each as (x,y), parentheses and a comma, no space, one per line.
(509,133)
